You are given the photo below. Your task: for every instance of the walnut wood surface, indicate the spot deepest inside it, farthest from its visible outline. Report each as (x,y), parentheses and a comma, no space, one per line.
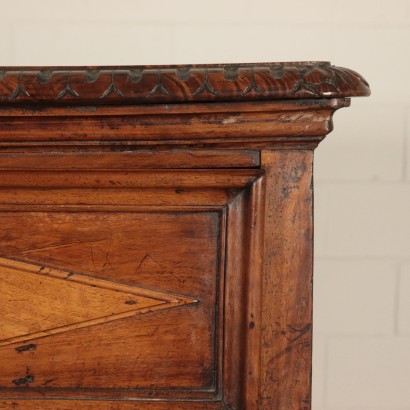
(156,234)
(28,291)
(243,125)
(137,160)
(286,309)
(138,351)
(107,405)
(147,84)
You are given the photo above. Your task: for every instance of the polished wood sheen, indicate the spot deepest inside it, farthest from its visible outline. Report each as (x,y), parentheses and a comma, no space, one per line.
(77,301)
(156,239)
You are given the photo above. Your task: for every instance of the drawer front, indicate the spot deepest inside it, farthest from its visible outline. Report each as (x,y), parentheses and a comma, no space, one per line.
(108,300)
(125,287)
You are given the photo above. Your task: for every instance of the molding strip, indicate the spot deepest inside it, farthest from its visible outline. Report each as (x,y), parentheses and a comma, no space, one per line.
(175,84)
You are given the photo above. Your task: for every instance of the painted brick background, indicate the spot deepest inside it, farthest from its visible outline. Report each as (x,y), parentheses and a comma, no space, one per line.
(362,199)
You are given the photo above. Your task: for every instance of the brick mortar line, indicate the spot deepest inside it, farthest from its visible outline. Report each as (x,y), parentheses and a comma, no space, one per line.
(406,155)
(363,182)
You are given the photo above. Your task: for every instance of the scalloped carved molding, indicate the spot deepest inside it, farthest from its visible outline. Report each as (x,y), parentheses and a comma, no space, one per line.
(169,84)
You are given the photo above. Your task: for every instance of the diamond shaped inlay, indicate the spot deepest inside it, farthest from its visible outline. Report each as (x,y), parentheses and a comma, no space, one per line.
(38,301)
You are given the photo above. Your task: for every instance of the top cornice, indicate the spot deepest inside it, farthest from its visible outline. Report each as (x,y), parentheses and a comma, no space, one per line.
(178,83)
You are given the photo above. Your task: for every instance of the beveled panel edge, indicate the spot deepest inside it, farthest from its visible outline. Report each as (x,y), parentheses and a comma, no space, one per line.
(67,404)
(31,179)
(120,396)
(128,161)
(178,83)
(243,295)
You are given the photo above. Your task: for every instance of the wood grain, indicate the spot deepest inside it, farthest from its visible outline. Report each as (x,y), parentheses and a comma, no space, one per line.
(243,291)
(140,160)
(286,345)
(175,252)
(147,84)
(149,128)
(29,291)
(156,234)
(107,405)
(214,125)
(245,125)
(141,179)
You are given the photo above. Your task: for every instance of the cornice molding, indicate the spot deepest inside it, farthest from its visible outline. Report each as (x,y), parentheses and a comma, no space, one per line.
(178,84)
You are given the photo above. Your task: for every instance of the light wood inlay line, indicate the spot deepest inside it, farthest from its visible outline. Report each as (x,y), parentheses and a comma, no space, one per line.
(38,301)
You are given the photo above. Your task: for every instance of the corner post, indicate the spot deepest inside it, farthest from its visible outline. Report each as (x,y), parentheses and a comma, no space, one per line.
(286,312)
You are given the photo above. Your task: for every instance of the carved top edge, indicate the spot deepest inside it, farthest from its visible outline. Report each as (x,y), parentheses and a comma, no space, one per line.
(177,83)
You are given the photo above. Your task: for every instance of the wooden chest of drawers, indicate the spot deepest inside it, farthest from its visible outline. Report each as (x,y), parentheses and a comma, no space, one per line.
(156,234)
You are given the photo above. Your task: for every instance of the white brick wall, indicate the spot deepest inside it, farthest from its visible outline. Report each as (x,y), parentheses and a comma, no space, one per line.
(362,200)
(403,302)
(406,159)
(368,373)
(357,295)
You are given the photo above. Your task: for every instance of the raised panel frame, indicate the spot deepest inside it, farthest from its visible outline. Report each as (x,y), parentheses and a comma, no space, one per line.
(240,206)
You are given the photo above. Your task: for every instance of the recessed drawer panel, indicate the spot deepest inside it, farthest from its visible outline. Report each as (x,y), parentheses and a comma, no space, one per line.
(109,300)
